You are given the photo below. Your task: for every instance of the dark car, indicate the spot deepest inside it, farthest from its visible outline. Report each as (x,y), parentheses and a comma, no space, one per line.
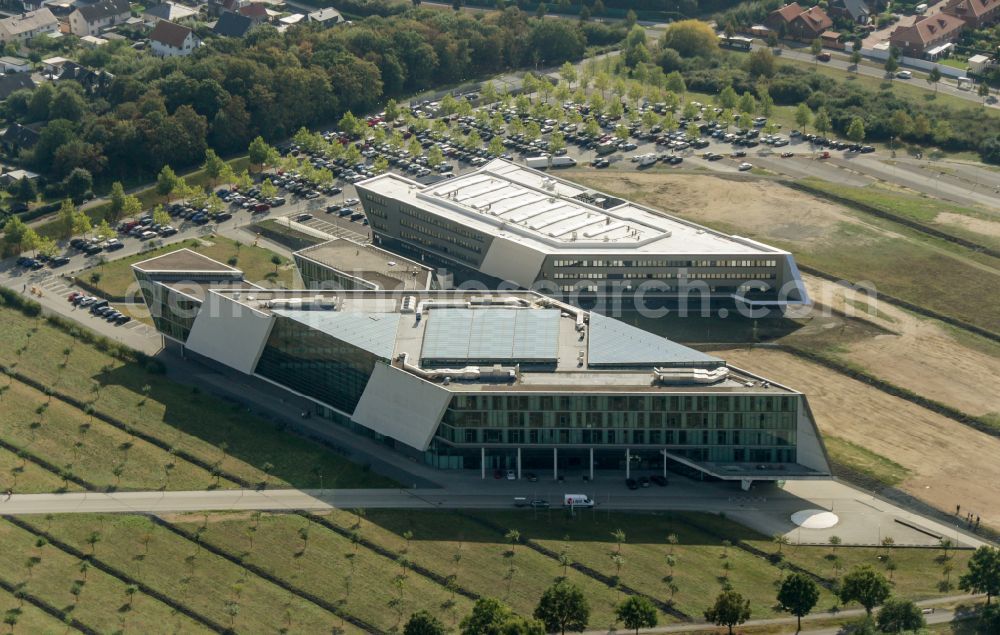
(659,480)
(123,319)
(644,481)
(531,476)
(631,483)
(538,503)
(59,262)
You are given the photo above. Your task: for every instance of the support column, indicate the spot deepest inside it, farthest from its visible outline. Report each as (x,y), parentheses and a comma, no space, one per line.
(482,462)
(628,465)
(555,464)
(664,453)
(519,464)
(591,464)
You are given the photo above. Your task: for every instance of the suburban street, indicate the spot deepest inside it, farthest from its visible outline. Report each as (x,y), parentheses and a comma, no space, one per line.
(840,61)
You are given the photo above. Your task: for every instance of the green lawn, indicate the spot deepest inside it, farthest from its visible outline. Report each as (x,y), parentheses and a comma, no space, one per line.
(31,619)
(102,603)
(482,565)
(185,419)
(91,449)
(189,575)
(283,580)
(362,582)
(117,280)
(864,461)
(922,209)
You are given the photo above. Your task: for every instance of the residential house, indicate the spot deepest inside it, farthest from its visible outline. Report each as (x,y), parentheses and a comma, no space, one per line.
(857,11)
(169,11)
(90,19)
(52,65)
(21,28)
(13,176)
(218,7)
(16,138)
(10,64)
(976,13)
(326,17)
(255,11)
(92,81)
(232,25)
(927,36)
(172,40)
(792,21)
(14,81)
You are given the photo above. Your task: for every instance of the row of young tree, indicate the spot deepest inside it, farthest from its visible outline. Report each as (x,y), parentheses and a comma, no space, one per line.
(168,111)
(563,607)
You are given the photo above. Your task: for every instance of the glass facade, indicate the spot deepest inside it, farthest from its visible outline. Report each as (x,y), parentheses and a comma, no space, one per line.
(317,276)
(718,428)
(173,313)
(316,364)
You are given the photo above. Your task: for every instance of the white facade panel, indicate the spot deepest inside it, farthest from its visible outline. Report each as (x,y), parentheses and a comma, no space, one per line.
(230,333)
(809,448)
(400,405)
(509,260)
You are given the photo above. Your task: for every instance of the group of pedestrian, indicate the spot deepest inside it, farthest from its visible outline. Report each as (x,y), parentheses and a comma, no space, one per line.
(971,520)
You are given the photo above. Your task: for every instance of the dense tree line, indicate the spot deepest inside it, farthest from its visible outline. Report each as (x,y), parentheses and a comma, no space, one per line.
(167,111)
(690,49)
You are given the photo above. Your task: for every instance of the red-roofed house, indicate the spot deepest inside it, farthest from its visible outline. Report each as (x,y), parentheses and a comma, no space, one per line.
(798,23)
(976,13)
(172,40)
(926,34)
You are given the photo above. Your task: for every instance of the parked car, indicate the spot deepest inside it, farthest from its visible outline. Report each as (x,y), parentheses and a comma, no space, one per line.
(659,480)
(631,483)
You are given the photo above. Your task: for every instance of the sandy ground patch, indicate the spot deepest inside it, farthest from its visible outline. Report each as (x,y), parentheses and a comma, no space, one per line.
(950,463)
(978,225)
(920,354)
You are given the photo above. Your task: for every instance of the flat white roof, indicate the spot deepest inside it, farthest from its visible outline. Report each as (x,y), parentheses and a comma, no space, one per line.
(556,216)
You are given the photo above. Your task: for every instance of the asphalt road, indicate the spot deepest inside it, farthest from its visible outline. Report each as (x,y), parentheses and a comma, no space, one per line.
(946,86)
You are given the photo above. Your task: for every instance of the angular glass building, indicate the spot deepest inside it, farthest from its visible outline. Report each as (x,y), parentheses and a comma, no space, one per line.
(513,380)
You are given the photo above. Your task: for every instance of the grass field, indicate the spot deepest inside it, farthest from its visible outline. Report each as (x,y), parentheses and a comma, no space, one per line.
(116,279)
(369,572)
(178,420)
(864,461)
(932,212)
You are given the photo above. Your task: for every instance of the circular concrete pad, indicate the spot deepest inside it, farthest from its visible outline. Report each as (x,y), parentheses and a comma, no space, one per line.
(815,519)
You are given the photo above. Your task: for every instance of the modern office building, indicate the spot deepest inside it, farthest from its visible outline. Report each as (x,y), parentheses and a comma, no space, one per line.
(489,380)
(510,223)
(344,264)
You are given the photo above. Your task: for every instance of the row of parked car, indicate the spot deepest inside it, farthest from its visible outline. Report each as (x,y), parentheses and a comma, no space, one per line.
(39,261)
(98,307)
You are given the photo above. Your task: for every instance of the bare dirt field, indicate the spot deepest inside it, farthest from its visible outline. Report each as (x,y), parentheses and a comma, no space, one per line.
(757,207)
(916,353)
(978,225)
(949,463)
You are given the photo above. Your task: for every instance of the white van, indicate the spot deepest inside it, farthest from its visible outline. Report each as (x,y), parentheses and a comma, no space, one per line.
(577,500)
(921,8)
